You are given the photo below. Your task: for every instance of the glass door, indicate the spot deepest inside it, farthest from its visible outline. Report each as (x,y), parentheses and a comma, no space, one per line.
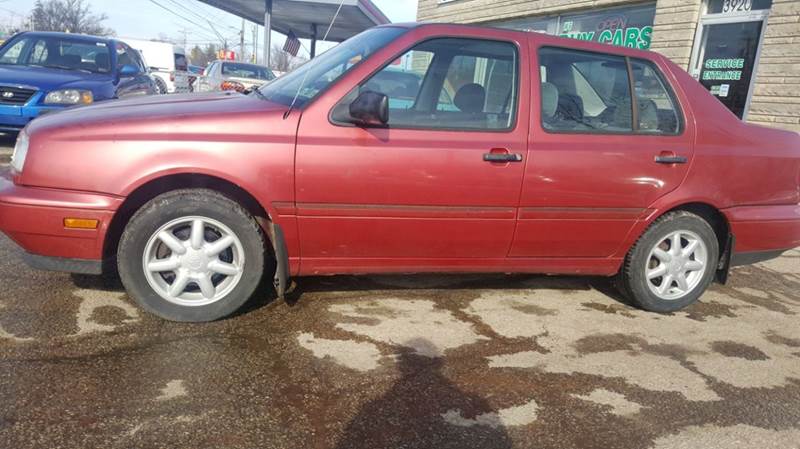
(726,52)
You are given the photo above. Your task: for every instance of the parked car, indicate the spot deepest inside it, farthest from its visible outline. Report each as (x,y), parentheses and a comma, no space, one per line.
(560,156)
(234,76)
(45,72)
(167,62)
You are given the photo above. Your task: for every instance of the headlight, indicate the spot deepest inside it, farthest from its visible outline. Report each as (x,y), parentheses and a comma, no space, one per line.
(69,96)
(20,152)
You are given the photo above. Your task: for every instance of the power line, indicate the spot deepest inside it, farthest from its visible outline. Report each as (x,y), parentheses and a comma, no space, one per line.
(183,17)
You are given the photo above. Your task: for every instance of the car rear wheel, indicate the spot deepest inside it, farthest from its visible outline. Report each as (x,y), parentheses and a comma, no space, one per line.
(672,264)
(161,86)
(191,255)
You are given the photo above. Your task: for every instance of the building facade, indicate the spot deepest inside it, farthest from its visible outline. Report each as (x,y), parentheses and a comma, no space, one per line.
(746,52)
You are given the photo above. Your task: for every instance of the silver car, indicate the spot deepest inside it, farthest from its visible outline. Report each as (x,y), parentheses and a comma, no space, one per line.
(231,75)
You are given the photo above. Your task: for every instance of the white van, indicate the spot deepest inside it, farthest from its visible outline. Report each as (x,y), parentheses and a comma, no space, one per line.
(168,64)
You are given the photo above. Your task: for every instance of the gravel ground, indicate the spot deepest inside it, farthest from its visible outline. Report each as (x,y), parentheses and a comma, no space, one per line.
(468,361)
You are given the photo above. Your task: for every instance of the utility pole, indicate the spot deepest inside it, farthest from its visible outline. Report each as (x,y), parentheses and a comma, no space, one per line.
(184,32)
(255,44)
(241,43)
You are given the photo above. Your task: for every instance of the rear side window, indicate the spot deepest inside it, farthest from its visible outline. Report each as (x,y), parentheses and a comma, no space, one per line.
(591,92)
(181,64)
(450,83)
(584,91)
(658,113)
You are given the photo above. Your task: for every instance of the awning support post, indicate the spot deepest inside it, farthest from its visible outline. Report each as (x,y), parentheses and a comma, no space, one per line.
(267,32)
(313,40)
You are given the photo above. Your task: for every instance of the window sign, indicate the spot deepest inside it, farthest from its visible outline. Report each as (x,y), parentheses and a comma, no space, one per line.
(625,27)
(729,56)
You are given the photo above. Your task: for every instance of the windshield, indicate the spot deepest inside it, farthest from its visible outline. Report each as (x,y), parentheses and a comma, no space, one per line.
(321,72)
(251,71)
(58,53)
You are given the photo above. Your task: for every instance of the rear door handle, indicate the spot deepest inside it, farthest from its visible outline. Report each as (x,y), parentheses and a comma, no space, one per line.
(670,159)
(502,157)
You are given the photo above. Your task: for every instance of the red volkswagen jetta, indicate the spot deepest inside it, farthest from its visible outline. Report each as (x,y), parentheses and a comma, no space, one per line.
(410,148)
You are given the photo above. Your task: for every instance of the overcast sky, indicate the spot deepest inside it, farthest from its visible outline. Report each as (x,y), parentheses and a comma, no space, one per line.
(144,19)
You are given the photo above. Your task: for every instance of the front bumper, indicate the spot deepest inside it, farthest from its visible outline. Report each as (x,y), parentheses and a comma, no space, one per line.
(34,219)
(14,117)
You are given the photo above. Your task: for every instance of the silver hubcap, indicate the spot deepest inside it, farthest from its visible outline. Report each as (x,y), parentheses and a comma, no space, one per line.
(676,265)
(193,261)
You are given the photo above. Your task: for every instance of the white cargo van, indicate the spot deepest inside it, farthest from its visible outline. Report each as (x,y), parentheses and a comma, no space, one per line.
(167,62)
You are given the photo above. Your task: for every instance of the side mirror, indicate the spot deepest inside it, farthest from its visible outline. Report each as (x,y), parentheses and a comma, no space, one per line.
(128,70)
(370,109)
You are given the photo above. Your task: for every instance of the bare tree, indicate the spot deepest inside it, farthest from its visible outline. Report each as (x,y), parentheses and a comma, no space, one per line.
(73,16)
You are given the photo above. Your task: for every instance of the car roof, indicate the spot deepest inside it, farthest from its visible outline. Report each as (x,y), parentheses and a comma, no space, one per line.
(79,37)
(541,38)
(225,61)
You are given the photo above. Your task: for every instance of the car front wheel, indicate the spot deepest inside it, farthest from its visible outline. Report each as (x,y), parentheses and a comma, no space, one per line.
(672,264)
(191,255)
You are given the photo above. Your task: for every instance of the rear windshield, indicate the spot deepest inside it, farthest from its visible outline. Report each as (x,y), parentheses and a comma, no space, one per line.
(181,64)
(246,71)
(57,52)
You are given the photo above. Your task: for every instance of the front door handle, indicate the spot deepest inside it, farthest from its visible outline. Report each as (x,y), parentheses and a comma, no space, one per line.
(670,159)
(502,157)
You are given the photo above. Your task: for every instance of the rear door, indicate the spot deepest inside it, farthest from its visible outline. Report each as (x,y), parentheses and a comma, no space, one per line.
(420,192)
(608,139)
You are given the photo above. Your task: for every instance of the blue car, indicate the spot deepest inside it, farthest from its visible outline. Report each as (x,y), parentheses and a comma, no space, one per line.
(44,72)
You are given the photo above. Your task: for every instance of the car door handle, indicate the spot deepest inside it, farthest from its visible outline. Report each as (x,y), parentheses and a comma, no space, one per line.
(502,157)
(670,159)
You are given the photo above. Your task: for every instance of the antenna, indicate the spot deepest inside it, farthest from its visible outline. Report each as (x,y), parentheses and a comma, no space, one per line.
(305,76)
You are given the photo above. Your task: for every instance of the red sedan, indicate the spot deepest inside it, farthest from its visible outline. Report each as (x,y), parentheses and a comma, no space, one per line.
(505,152)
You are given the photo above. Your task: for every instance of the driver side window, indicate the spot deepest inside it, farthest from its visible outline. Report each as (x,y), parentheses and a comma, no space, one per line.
(450,83)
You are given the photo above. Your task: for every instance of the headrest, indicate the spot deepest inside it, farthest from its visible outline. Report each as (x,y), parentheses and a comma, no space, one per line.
(101,60)
(549,100)
(470,98)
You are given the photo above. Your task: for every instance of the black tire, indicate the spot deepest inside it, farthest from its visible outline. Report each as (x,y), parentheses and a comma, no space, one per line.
(632,278)
(161,86)
(175,205)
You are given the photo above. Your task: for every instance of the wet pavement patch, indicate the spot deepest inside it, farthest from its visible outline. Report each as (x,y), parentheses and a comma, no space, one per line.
(463,362)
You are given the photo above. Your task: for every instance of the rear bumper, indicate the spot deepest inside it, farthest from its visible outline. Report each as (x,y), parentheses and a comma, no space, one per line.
(763,232)
(765,228)
(34,219)
(738,259)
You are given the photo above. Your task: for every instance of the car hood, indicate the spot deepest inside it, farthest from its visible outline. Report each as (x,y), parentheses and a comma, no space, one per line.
(48,79)
(140,116)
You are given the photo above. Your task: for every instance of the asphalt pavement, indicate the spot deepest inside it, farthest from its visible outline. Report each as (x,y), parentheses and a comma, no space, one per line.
(461,361)
(6,148)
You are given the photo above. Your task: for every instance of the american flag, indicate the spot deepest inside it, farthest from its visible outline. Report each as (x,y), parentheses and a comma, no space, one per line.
(292,45)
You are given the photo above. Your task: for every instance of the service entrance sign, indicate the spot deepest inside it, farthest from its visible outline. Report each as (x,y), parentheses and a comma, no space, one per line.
(728,60)
(727,44)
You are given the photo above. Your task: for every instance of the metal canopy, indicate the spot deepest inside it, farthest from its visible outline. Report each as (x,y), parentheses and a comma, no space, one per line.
(307,19)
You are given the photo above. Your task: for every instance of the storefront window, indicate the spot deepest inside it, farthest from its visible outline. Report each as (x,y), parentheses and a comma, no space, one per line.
(736,6)
(625,27)
(630,26)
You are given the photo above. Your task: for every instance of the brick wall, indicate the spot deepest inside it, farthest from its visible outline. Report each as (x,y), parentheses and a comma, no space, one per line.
(776,98)
(674,28)
(475,11)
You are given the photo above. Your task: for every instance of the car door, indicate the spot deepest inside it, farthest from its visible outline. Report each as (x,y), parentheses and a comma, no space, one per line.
(422,191)
(598,156)
(128,85)
(144,84)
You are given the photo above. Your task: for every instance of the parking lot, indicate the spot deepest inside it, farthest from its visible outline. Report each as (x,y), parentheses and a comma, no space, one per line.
(463,361)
